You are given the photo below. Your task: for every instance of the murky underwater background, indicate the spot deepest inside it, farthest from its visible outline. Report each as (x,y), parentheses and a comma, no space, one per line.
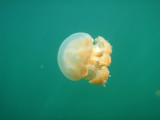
(32,86)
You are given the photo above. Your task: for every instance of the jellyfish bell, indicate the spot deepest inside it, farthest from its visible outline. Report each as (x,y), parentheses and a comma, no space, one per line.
(74,55)
(79,58)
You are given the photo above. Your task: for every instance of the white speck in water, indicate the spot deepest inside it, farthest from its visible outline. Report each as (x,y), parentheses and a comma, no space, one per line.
(41,66)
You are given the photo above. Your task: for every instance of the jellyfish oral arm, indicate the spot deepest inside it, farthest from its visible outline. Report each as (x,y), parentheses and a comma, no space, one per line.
(98,72)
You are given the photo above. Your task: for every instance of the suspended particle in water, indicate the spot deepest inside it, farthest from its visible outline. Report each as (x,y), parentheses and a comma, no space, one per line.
(80,56)
(158,93)
(41,66)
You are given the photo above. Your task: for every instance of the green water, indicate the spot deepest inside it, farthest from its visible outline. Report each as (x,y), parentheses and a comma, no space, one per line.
(32,86)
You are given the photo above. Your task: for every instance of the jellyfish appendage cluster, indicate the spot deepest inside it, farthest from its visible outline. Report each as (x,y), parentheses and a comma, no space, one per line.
(80,56)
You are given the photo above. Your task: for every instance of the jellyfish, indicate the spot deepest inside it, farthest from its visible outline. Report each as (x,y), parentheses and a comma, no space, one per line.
(80,56)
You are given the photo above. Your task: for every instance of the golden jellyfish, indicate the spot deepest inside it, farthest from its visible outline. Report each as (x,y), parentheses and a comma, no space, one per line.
(80,56)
